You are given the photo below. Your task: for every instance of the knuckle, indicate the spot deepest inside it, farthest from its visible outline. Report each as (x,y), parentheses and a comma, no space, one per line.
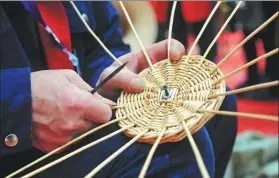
(61,128)
(71,128)
(84,126)
(71,102)
(67,127)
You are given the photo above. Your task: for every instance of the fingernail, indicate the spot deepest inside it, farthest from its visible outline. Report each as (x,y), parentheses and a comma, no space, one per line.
(137,85)
(175,52)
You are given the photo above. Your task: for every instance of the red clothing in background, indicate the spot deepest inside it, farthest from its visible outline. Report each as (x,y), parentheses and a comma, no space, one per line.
(193,11)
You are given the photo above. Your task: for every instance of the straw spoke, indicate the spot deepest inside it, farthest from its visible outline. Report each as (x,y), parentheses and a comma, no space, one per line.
(247,65)
(241,114)
(151,153)
(203,29)
(93,34)
(171,26)
(77,151)
(65,146)
(114,155)
(136,34)
(116,107)
(220,31)
(245,89)
(196,152)
(245,40)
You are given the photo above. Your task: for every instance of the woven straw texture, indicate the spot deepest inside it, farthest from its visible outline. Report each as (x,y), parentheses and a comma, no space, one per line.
(189,86)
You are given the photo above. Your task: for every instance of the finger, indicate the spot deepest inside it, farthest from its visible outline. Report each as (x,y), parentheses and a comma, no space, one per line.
(125,79)
(70,127)
(44,138)
(49,136)
(82,104)
(74,78)
(112,95)
(93,108)
(158,52)
(105,100)
(46,147)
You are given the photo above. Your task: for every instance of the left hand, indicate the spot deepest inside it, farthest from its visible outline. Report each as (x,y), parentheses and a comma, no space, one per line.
(128,79)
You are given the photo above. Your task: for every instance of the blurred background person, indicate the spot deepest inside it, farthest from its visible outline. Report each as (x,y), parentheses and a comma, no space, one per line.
(144,21)
(249,17)
(189,18)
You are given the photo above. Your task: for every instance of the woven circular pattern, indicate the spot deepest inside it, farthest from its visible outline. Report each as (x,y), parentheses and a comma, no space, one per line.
(189,85)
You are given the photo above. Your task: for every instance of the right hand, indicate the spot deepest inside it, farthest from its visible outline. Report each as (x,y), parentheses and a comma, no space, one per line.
(63,107)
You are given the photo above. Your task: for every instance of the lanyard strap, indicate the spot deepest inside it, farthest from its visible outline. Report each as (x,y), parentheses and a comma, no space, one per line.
(34,11)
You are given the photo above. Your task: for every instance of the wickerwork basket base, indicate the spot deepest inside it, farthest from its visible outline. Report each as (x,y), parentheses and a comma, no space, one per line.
(189,85)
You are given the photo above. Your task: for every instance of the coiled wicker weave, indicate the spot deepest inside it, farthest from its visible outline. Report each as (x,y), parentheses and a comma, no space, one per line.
(189,85)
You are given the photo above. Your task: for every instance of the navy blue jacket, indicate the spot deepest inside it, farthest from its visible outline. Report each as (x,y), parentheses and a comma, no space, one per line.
(16,64)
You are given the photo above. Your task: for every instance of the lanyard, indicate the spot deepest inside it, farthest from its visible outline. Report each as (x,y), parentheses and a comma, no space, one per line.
(33,10)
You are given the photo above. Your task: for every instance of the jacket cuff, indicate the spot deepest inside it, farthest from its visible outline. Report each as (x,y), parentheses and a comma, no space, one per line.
(16,110)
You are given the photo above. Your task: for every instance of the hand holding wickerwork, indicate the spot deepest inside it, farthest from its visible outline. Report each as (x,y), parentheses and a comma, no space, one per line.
(128,80)
(61,102)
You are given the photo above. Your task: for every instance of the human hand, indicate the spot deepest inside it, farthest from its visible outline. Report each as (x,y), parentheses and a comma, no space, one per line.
(63,107)
(128,79)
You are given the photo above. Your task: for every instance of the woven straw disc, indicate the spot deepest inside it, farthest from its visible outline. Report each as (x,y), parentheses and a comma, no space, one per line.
(189,86)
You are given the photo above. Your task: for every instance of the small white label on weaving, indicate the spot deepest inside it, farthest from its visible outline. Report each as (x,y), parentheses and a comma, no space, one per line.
(172,94)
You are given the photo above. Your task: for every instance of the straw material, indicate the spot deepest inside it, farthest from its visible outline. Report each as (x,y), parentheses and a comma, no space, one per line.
(189,86)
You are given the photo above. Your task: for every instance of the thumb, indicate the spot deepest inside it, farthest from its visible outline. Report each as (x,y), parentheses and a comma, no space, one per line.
(125,79)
